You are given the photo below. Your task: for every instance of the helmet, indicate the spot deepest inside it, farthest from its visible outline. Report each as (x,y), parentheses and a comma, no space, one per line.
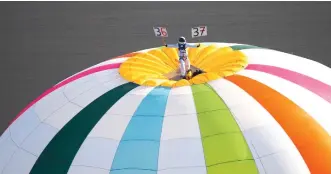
(182,40)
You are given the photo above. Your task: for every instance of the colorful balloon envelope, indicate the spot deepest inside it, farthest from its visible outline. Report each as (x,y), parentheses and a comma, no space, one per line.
(252,110)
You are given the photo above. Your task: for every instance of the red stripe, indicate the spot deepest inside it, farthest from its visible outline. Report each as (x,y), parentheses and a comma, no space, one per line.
(69,80)
(320,88)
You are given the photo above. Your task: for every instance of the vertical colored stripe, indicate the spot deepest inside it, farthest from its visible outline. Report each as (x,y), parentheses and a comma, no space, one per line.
(225,148)
(313,104)
(319,88)
(60,152)
(138,150)
(181,150)
(312,141)
(272,149)
(242,47)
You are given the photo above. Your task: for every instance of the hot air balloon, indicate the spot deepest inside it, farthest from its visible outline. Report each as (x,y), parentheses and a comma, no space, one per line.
(252,110)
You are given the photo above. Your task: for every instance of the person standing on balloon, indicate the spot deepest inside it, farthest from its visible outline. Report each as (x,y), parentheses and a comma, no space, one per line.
(185,65)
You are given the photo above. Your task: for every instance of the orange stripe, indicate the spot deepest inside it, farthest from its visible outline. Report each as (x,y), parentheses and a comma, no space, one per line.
(312,141)
(127,55)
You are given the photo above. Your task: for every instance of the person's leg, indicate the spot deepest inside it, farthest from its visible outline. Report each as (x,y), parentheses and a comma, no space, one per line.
(187,64)
(182,67)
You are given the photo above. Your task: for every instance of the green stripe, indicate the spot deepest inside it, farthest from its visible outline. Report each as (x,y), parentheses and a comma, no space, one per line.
(225,147)
(60,152)
(242,47)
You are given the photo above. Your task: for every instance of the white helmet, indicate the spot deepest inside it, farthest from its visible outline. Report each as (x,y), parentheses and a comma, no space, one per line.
(182,40)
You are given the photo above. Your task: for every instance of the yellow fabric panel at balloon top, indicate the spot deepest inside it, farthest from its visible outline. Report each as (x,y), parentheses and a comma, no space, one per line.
(152,68)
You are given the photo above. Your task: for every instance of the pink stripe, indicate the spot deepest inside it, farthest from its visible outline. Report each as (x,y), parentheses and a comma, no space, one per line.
(71,79)
(313,85)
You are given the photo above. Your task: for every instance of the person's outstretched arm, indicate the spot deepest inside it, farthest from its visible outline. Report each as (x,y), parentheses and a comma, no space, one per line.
(191,45)
(171,45)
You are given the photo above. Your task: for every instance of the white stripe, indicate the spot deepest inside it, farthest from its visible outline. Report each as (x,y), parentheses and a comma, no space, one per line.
(261,131)
(181,119)
(99,148)
(8,148)
(87,97)
(62,116)
(113,124)
(21,162)
(188,170)
(39,139)
(79,97)
(96,152)
(86,170)
(79,86)
(107,75)
(291,62)
(107,62)
(23,126)
(181,153)
(50,103)
(180,102)
(180,126)
(181,145)
(284,159)
(313,104)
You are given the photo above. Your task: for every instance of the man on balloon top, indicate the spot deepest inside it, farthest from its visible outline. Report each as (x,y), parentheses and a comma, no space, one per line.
(182,54)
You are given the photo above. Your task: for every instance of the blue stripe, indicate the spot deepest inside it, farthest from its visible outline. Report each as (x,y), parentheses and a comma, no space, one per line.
(138,151)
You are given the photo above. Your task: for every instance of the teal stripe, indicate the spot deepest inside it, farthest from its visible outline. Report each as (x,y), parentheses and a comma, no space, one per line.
(60,152)
(242,47)
(138,151)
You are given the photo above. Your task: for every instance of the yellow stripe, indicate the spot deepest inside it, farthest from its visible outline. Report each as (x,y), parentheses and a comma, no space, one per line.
(163,57)
(204,53)
(210,59)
